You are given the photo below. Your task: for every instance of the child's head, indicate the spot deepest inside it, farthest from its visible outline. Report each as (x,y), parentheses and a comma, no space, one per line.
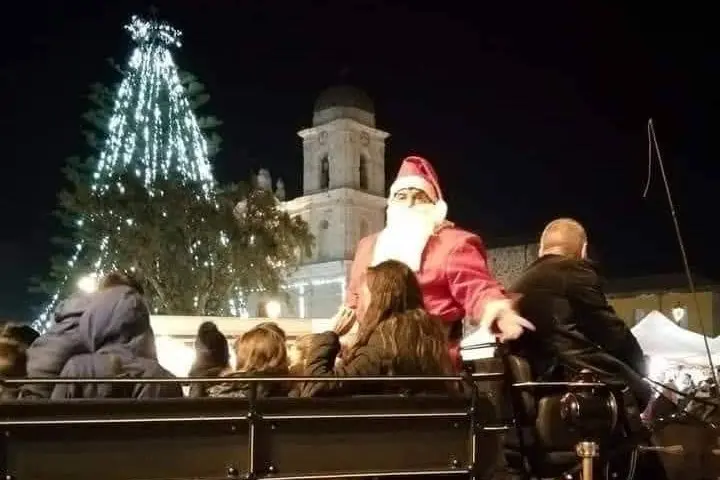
(297,353)
(262,350)
(12,358)
(273,327)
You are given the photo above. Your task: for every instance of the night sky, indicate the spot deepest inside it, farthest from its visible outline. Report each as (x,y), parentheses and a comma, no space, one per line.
(528,113)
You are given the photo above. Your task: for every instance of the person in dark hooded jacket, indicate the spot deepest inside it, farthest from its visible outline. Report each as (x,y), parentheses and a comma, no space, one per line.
(48,354)
(103,335)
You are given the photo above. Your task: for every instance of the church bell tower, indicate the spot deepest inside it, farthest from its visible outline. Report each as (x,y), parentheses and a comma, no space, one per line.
(343,149)
(343,192)
(344,164)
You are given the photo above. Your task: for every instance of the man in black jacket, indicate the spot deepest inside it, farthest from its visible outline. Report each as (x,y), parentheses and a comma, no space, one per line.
(577,329)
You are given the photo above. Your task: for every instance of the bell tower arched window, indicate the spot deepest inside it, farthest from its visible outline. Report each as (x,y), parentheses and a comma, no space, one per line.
(324,173)
(363,173)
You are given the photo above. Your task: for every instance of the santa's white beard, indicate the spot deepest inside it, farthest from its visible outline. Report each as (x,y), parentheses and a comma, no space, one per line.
(405,235)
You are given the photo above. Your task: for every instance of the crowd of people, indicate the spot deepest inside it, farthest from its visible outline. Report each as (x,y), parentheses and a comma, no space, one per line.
(107,334)
(411,287)
(684,393)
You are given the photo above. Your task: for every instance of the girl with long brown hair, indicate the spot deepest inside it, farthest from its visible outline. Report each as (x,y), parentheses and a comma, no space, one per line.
(396,337)
(261,351)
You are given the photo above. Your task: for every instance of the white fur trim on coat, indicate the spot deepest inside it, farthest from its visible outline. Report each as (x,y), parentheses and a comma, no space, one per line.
(441,210)
(492,309)
(414,181)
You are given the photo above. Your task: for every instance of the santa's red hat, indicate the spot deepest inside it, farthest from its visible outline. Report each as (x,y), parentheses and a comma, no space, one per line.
(417,172)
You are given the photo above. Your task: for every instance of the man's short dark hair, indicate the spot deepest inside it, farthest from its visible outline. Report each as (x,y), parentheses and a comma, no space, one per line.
(117,279)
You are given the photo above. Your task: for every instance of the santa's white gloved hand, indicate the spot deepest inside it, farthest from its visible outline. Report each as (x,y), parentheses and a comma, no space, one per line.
(344,321)
(509,325)
(500,317)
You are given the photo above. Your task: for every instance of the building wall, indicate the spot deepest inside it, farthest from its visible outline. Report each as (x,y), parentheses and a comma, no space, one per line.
(508,263)
(632,307)
(338,219)
(315,290)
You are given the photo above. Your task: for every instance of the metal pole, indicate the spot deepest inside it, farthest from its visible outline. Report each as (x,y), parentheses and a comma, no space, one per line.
(253,417)
(474,431)
(587,468)
(587,451)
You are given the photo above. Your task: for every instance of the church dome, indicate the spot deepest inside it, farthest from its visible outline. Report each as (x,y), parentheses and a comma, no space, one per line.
(344,96)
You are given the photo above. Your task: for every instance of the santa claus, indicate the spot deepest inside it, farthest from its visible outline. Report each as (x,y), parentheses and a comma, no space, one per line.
(450,263)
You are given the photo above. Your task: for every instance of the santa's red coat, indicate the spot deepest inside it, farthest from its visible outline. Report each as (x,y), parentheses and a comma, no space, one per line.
(454,275)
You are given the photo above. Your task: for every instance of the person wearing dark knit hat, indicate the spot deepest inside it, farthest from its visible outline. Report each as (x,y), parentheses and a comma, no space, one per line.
(212,356)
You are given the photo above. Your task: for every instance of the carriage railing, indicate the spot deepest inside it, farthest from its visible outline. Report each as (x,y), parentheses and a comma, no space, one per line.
(386,436)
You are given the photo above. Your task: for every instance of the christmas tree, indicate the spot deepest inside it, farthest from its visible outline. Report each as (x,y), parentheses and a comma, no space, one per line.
(147,201)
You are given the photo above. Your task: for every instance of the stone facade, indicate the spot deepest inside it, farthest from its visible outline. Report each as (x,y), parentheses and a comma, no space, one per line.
(338,219)
(635,297)
(507,263)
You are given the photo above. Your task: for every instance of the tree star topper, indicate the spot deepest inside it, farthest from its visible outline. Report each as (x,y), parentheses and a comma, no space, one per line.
(150,31)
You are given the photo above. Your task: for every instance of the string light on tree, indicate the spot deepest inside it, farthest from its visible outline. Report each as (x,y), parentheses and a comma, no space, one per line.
(152,134)
(145,138)
(147,201)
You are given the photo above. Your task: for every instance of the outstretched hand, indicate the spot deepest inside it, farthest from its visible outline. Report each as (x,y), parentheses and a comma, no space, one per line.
(501,317)
(509,326)
(344,321)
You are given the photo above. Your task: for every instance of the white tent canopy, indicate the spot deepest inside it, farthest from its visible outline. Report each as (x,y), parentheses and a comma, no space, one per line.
(661,337)
(714,344)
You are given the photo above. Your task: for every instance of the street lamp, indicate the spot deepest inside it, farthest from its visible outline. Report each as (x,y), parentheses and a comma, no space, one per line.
(678,313)
(273,309)
(88,283)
